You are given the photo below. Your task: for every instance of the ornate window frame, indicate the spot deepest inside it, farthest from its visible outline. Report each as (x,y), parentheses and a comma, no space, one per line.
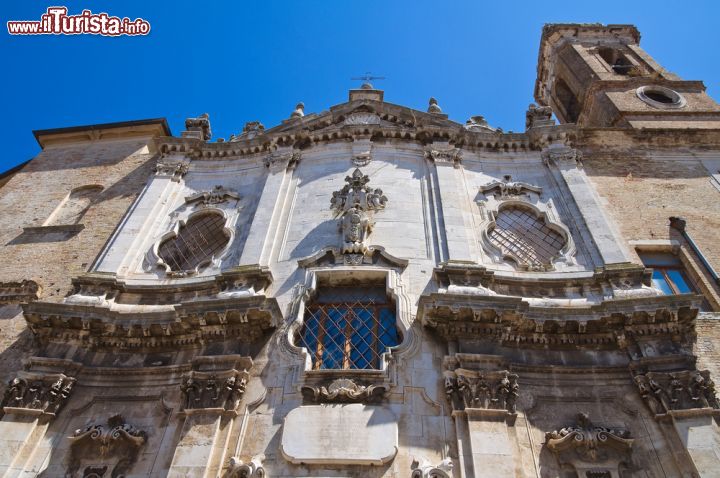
(508,194)
(317,278)
(181,220)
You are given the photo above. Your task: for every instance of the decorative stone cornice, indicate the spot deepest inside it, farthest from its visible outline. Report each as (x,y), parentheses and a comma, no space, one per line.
(666,392)
(511,321)
(344,390)
(43,394)
(18,292)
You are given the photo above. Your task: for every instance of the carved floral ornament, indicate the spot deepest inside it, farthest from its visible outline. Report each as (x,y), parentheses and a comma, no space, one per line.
(665,392)
(253,468)
(355,203)
(217,195)
(590,448)
(45,394)
(424,469)
(508,188)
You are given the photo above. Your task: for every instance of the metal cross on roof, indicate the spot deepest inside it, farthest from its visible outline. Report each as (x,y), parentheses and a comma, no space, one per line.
(367,77)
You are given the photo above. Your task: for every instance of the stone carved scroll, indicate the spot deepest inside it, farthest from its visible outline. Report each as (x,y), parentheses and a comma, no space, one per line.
(664,392)
(507,188)
(355,203)
(45,394)
(117,443)
(424,469)
(204,390)
(252,469)
(344,391)
(490,390)
(590,448)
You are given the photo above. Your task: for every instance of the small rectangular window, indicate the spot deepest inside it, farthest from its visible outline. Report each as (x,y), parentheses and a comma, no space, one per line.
(669,274)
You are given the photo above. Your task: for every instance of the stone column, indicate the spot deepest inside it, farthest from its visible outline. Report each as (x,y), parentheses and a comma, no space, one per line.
(455,217)
(265,225)
(564,164)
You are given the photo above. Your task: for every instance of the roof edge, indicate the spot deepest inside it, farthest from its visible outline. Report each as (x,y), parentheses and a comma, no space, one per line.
(152,126)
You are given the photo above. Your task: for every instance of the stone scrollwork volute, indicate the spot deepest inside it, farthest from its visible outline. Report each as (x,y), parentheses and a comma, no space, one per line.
(664,392)
(253,468)
(508,188)
(205,390)
(355,203)
(424,469)
(344,391)
(45,394)
(489,390)
(586,446)
(118,442)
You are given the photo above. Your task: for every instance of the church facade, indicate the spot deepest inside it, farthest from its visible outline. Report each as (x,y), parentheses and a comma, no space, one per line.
(375,291)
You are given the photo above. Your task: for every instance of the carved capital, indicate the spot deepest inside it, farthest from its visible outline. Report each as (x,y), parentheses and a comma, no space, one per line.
(176,170)
(481,389)
(555,155)
(537,116)
(45,394)
(344,391)
(282,159)
(209,390)
(451,156)
(664,392)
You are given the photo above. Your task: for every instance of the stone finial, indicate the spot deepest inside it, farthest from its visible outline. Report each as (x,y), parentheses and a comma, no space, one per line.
(433,107)
(538,116)
(367,86)
(478,123)
(198,128)
(299,111)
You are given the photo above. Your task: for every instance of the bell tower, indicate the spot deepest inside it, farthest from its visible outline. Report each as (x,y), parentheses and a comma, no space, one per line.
(598,76)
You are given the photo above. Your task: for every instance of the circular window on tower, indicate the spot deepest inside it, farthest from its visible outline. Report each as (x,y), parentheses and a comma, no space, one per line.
(660,97)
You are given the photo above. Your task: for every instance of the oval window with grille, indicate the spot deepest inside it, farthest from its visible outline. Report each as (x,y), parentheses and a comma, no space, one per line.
(196,243)
(525,238)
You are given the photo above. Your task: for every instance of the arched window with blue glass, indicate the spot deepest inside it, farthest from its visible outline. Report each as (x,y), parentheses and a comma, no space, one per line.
(349,328)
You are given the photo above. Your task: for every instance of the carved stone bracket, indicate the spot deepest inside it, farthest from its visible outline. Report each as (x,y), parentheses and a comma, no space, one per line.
(424,469)
(665,392)
(480,389)
(44,394)
(217,195)
(118,443)
(252,469)
(173,169)
(344,391)
(452,156)
(590,448)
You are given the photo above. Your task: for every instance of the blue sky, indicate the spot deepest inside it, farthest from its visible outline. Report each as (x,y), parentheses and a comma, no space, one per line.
(243,61)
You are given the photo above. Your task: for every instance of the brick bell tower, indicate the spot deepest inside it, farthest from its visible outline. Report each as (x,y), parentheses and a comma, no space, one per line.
(598,76)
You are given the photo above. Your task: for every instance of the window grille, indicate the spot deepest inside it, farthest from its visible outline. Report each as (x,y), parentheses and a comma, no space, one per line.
(349,335)
(196,243)
(525,238)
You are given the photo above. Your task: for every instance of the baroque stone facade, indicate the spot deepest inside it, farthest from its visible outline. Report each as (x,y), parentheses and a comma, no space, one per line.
(374,291)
